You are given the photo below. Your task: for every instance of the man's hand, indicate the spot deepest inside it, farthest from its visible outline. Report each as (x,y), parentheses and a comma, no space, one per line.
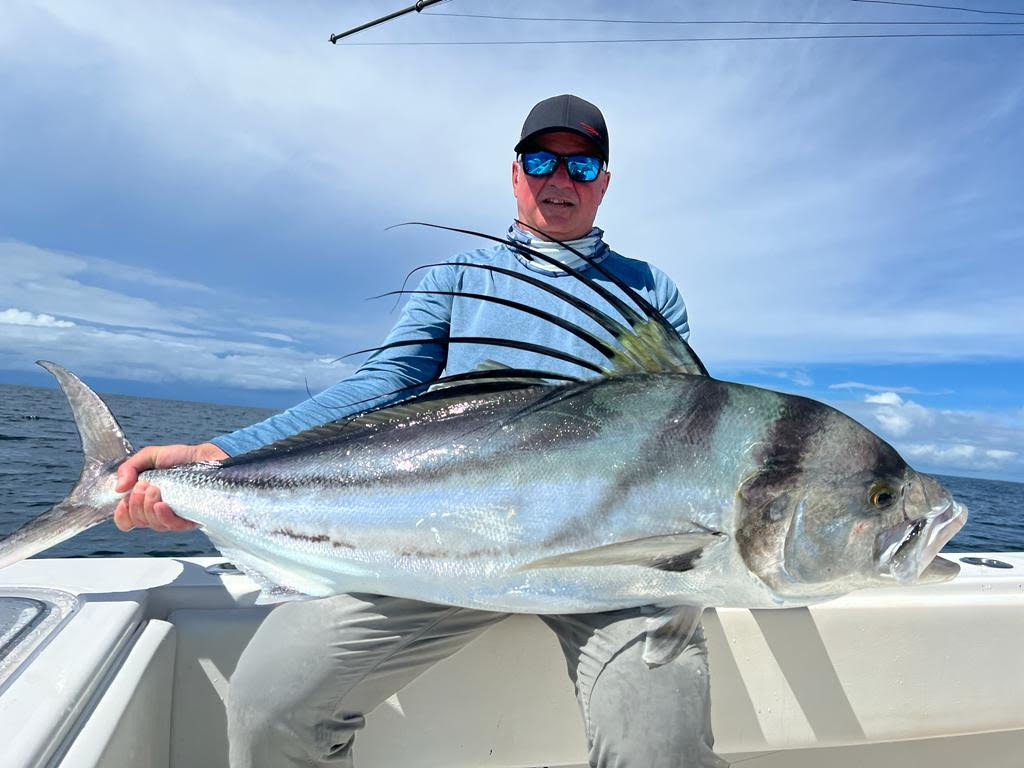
(143,507)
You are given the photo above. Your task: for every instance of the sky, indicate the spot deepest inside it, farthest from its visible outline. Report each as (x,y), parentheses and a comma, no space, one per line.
(195,197)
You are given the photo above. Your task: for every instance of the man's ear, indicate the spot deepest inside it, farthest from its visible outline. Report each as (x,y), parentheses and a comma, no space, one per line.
(607,180)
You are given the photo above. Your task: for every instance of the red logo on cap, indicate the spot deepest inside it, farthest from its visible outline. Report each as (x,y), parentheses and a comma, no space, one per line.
(590,129)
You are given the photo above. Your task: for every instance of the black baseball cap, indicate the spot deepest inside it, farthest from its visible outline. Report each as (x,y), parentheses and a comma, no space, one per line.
(566,113)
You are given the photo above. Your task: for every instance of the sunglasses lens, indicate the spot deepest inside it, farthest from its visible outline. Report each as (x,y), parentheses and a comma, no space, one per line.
(583,167)
(579,167)
(539,163)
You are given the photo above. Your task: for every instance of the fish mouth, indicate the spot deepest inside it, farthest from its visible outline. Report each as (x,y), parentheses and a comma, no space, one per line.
(906,550)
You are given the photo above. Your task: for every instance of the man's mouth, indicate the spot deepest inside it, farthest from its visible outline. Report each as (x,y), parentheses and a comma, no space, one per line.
(561,201)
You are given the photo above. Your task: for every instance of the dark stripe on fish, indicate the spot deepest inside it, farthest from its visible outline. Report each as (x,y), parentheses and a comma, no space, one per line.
(782,450)
(315,538)
(888,463)
(778,463)
(443,554)
(687,428)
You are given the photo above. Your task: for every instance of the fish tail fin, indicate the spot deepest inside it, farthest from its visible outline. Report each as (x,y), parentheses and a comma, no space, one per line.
(92,500)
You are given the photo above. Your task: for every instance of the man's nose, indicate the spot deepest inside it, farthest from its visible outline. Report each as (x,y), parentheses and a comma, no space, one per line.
(561,174)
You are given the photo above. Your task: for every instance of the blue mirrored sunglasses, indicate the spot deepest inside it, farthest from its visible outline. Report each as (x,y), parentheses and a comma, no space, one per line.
(583,168)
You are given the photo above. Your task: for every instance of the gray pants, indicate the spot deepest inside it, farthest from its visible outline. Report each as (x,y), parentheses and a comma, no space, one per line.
(347,654)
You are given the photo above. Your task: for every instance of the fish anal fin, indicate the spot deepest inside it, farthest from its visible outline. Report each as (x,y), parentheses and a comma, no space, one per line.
(672,552)
(276,595)
(276,584)
(668,633)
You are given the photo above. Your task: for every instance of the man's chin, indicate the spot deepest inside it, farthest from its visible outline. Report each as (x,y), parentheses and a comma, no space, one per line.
(556,228)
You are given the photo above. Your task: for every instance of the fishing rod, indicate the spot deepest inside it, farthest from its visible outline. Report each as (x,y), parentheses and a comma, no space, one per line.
(418,6)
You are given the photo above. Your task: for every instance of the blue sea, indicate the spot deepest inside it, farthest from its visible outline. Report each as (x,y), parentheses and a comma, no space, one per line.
(40,458)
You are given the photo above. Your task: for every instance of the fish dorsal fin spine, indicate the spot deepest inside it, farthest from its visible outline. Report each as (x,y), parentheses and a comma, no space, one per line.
(669,351)
(491,371)
(650,344)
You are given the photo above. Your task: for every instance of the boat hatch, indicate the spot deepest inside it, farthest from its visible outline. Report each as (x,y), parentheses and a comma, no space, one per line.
(28,618)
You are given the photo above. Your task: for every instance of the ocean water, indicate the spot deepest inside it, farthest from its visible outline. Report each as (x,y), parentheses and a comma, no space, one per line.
(40,458)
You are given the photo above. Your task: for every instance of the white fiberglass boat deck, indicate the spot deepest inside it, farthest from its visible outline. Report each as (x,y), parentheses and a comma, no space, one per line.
(125,662)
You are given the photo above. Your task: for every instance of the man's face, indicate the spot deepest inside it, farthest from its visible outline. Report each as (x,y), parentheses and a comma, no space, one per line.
(556,205)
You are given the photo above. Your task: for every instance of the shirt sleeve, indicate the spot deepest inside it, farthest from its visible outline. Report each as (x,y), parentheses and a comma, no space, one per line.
(670,302)
(384,378)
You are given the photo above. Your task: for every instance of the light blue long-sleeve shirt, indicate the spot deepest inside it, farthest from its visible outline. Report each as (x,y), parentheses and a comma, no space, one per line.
(433,317)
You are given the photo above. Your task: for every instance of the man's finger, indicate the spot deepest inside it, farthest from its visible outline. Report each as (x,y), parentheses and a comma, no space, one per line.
(138,462)
(137,504)
(167,516)
(163,516)
(121,517)
(127,476)
(152,497)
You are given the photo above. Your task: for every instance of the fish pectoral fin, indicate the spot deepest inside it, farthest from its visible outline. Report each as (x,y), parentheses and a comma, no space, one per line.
(668,633)
(672,552)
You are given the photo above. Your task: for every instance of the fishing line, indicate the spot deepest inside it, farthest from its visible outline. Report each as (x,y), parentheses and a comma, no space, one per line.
(941,7)
(879,36)
(729,21)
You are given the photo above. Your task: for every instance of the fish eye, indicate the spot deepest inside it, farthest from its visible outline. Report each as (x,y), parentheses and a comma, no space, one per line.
(882,496)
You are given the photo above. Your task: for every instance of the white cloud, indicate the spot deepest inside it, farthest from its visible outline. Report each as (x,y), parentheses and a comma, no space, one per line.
(951,454)
(960,456)
(16,316)
(944,440)
(118,333)
(874,387)
(797,378)
(273,336)
(42,280)
(1001,455)
(800,378)
(129,273)
(897,416)
(885,398)
(148,356)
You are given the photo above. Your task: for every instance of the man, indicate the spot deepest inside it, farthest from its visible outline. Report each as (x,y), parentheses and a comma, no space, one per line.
(349,653)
